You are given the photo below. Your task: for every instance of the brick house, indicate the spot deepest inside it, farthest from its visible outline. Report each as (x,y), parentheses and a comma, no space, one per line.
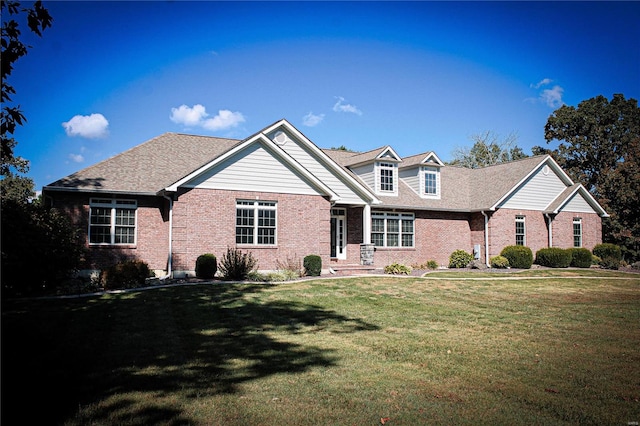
(278,195)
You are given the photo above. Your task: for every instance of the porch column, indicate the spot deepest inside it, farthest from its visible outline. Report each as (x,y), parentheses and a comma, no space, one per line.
(366,224)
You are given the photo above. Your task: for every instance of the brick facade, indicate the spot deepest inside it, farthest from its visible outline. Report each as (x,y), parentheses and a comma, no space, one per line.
(562,229)
(204,221)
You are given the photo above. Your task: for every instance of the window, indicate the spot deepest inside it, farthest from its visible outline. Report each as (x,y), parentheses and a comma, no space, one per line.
(392,229)
(520,231)
(112,221)
(430,183)
(577,232)
(386,176)
(256,222)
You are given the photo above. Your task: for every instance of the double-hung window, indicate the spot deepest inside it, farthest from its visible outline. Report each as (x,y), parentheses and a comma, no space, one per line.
(112,221)
(256,222)
(577,232)
(521,239)
(386,177)
(392,229)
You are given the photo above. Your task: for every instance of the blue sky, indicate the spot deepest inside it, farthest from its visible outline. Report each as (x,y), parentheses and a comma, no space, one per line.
(418,76)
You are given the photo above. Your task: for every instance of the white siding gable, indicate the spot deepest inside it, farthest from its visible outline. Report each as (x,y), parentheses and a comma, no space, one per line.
(367,174)
(253,169)
(537,192)
(577,203)
(309,161)
(410,176)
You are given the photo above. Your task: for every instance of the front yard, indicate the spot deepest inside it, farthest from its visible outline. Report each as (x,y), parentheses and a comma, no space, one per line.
(550,349)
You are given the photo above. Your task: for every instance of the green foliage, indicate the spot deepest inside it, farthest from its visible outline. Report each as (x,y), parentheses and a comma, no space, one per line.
(40,248)
(236,265)
(499,262)
(432,264)
(487,150)
(553,257)
(600,148)
(580,257)
(127,274)
(38,19)
(312,265)
(17,188)
(397,269)
(290,268)
(460,259)
(605,250)
(206,266)
(520,257)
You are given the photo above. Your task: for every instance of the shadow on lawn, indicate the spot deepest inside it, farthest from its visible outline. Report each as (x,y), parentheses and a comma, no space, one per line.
(120,357)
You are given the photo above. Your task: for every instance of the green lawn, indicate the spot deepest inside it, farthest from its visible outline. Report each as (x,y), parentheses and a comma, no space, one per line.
(543,350)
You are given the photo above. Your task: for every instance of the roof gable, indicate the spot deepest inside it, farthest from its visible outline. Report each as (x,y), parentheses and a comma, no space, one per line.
(575,198)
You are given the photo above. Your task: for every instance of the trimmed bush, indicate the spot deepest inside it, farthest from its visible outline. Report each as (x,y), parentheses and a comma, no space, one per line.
(127,274)
(432,264)
(460,259)
(610,255)
(236,265)
(397,269)
(553,257)
(206,266)
(499,262)
(580,257)
(312,265)
(520,257)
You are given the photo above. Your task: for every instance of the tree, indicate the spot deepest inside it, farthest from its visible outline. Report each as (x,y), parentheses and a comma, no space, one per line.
(600,148)
(487,150)
(38,19)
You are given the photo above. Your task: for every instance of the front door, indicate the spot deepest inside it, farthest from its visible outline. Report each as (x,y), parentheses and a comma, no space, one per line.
(338,233)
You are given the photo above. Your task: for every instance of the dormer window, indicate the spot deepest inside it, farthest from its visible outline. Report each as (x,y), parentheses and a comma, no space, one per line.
(430,182)
(387,180)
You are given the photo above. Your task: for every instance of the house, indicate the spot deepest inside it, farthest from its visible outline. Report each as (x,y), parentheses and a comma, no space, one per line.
(280,196)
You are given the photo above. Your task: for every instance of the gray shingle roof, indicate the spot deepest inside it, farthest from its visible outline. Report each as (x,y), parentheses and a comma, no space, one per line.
(149,167)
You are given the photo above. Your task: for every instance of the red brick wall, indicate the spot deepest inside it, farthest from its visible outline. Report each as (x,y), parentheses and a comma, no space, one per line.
(204,222)
(502,230)
(563,229)
(152,230)
(436,234)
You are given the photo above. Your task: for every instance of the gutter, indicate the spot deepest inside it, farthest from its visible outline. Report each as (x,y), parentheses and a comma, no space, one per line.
(486,237)
(549,223)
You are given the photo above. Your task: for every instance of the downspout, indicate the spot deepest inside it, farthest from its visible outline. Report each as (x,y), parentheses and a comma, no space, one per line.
(549,222)
(170,256)
(486,238)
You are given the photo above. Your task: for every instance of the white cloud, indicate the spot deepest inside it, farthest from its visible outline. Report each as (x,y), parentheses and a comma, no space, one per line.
(541,83)
(312,119)
(196,116)
(553,97)
(87,126)
(341,106)
(188,116)
(224,120)
(77,158)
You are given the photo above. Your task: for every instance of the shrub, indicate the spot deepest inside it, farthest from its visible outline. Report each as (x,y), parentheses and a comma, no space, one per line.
(397,269)
(580,257)
(312,265)
(520,257)
(236,265)
(432,264)
(206,266)
(635,265)
(499,262)
(460,259)
(291,267)
(553,257)
(127,274)
(607,250)
(610,263)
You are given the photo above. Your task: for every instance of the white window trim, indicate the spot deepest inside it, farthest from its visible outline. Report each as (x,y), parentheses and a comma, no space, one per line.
(395,215)
(255,205)
(423,187)
(576,220)
(113,204)
(522,219)
(378,174)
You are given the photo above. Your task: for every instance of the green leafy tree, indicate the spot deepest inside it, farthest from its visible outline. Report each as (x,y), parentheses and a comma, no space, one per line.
(488,149)
(600,148)
(11,116)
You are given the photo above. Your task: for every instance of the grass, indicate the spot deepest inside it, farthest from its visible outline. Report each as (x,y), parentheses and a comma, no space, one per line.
(540,350)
